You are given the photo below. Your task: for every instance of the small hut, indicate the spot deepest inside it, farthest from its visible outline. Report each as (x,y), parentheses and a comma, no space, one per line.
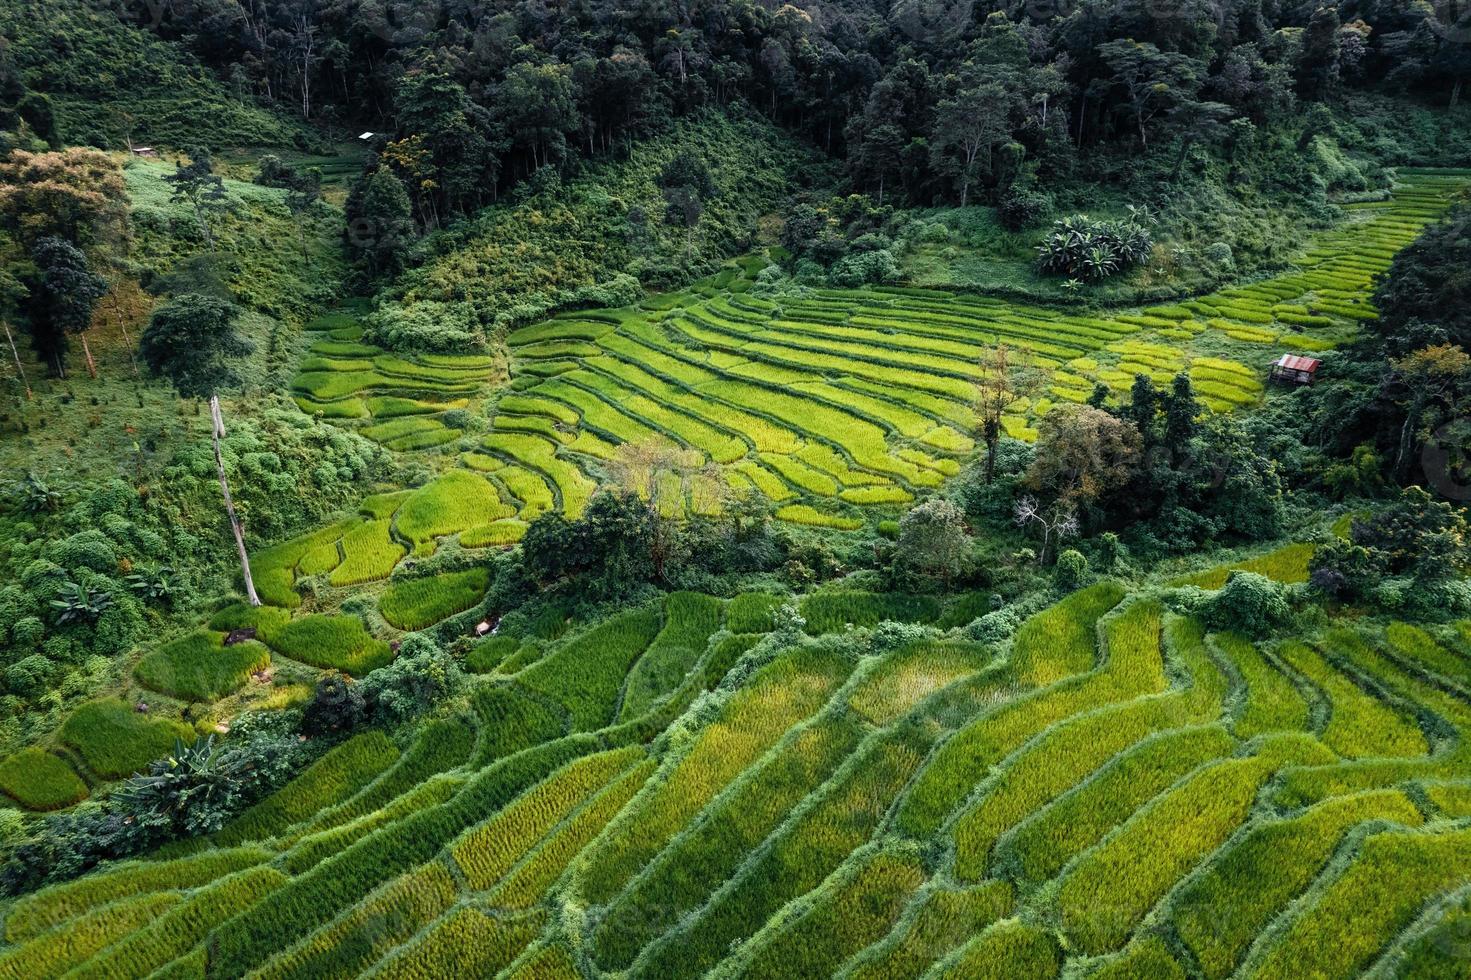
(147,152)
(1295,369)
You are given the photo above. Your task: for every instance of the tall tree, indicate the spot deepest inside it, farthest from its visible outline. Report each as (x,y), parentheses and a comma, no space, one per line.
(65,295)
(197,184)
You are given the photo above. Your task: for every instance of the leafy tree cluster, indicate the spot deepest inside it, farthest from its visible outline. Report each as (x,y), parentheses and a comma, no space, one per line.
(1157,468)
(1411,553)
(477,96)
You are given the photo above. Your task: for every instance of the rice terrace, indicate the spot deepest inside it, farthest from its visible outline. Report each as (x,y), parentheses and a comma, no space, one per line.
(734,490)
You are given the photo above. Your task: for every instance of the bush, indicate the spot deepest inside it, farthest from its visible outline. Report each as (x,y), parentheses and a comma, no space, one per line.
(1089,249)
(409,687)
(1071,570)
(1022,209)
(1248,603)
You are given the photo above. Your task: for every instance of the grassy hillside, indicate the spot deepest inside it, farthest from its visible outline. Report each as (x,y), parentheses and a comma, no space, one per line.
(602,231)
(110,79)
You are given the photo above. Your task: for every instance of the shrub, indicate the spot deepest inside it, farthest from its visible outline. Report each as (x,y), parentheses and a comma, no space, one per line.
(407,688)
(116,741)
(1090,249)
(1248,603)
(1071,570)
(38,780)
(198,667)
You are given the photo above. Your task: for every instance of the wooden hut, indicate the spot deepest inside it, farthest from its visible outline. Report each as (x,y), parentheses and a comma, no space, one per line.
(1295,369)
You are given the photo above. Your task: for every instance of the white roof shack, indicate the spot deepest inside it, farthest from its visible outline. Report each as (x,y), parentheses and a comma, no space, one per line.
(367,136)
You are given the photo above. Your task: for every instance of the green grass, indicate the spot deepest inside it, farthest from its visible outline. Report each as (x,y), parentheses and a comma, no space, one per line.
(55,906)
(371,929)
(831,611)
(1061,640)
(1221,913)
(116,741)
(1272,703)
(684,875)
(1103,897)
(751,612)
(371,554)
(38,780)
(841,922)
(54,953)
(512,720)
(1006,950)
(333,643)
(488,852)
(782,693)
(586,674)
(1041,845)
(328,781)
(1341,930)
(689,621)
(417,603)
(454,502)
(1134,667)
(945,920)
(198,667)
(807,849)
(466,942)
(1360,725)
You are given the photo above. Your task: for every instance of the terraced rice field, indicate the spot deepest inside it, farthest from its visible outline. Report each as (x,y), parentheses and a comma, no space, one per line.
(826,403)
(841,399)
(400,402)
(1117,791)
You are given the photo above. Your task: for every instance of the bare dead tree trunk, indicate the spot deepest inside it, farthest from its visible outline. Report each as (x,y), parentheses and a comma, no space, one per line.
(19,369)
(218,421)
(87,350)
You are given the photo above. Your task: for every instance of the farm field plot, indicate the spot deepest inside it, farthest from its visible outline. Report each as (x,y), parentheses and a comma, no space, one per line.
(850,399)
(1111,786)
(403,403)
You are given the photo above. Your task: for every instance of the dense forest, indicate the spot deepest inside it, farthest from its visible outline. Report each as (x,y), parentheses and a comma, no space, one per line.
(675,489)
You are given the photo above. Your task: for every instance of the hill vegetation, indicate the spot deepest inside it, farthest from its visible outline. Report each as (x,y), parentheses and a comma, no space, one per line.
(733,490)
